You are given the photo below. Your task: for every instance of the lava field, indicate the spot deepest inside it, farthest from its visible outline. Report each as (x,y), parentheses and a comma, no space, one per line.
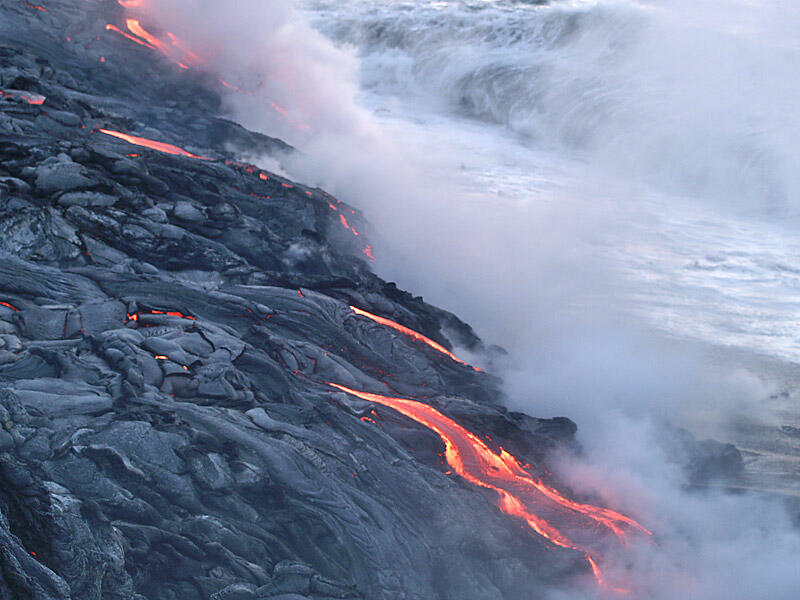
(194,353)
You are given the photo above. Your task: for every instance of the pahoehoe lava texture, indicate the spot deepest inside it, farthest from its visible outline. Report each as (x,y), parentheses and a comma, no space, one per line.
(166,328)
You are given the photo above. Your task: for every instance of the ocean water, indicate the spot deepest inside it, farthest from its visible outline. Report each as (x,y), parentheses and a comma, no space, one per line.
(674,124)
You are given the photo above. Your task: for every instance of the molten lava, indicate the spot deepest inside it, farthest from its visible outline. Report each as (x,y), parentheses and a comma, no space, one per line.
(175,50)
(160,146)
(7,305)
(170,313)
(133,38)
(409,332)
(28,97)
(564,522)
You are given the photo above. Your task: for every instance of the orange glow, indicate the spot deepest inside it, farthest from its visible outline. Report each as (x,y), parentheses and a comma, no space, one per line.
(409,332)
(160,146)
(161,357)
(368,253)
(28,97)
(174,50)
(36,6)
(7,305)
(230,86)
(187,58)
(135,316)
(111,27)
(580,527)
(131,3)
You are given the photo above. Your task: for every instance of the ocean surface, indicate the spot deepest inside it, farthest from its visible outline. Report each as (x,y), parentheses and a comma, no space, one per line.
(673,124)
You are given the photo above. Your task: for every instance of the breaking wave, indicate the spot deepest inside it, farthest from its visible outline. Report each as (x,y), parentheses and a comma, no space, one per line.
(686,95)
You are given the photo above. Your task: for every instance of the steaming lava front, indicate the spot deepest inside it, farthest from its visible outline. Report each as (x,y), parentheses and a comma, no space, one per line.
(564,522)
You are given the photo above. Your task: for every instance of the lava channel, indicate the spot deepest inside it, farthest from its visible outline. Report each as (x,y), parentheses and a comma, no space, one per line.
(564,522)
(409,332)
(160,146)
(30,98)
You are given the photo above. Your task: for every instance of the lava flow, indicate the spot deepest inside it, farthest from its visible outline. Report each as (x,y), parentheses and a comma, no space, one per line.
(409,332)
(170,313)
(174,50)
(30,98)
(160,146)
(564,522)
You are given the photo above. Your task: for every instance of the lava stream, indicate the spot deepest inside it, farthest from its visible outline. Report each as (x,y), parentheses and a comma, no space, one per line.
(29,97)
(409,332)
(564,522)
(160,146)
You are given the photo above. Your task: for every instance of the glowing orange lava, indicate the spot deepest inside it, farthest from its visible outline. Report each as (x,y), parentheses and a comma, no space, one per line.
(170,313)
(186,57)
(564,522)
(28,97)
(174,49)
(160,146)
(7,305)
(116,29)
(409,332)
(36,6)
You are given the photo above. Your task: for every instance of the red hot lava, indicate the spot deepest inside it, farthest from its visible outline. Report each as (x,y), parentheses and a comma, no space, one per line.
(409,332)
(564,522)
(160,146)
(176,51)
(28,97)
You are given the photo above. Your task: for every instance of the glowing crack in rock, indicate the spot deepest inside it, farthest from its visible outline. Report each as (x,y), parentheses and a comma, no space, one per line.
(169,313)
(153,145)
(29,97)
(409,332)
(564,522)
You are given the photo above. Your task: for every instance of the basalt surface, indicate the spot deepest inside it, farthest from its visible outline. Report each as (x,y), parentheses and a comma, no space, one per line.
(168,329)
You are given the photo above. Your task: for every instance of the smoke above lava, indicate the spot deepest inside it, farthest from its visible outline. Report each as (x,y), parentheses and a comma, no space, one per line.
(529,278)
(276,68)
